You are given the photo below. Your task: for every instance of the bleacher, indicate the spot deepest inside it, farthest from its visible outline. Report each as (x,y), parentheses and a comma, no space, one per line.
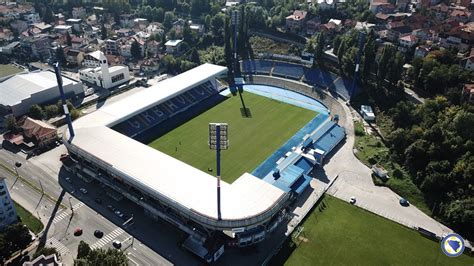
(343,87)
(318,77)
(257,67)
(287,70)
(159,113)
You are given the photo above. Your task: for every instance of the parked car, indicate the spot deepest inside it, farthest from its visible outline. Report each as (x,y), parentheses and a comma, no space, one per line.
(119,214)
(110,207)
(64,157)
(98,200)
(117,244)
(404,202)
(68,179)
(83,190)
(98,233)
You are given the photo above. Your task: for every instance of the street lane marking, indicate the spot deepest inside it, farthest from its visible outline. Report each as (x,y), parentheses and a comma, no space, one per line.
(60,247)
(108,238)
(65,213)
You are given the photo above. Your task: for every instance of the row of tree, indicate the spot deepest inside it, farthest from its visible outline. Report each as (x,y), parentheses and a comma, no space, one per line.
(13,238)
(87,256)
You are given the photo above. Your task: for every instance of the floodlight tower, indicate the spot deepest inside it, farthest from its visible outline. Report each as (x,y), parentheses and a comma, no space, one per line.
(357,63)
(63,98)
(235,22)
(218,141)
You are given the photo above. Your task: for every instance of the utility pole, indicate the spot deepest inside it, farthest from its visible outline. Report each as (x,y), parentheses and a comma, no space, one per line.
(70,204)
(218,140)
(59,79)
(17,165)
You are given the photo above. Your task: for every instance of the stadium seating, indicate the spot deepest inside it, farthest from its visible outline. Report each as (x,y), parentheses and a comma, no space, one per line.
(287,70)
(318,77)
(343,87)
(159,113)
(257,67)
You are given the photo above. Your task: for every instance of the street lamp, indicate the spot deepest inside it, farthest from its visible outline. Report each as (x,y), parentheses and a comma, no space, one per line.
(218,140)
(17,165)
(72,209)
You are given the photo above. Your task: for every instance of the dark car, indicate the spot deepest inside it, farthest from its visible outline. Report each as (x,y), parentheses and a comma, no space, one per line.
(98,200)
(98,233)
(117,244)
(110,207)
(404,202)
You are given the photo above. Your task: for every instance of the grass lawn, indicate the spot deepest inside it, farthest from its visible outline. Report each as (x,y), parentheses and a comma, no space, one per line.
(337,233)
(28,219)
(371,150)
(6,70)
(252,140)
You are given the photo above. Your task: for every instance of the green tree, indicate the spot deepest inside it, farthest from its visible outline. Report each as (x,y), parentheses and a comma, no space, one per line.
(319,47)
(103,257)
(370,50)
(46,251)
(217,24)
(135,50)
(36,112)
(51,111)
(103,32)
(48,16)
(168,19)
(83,250)
(18,235)
(384,61)
(10,123)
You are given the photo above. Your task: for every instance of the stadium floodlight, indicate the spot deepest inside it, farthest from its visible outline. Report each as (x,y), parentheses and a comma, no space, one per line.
(218,140)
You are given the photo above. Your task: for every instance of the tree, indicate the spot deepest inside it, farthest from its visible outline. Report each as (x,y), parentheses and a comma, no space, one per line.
(68,39)
(195,56)
(135,50)
(370,50)
(168,20)
(228,46)
(83,250)
(319,47)
(36,112)
(217,24)
(17,234)
(103,257)
(103,32)
(51,111)
(48,16)
(10,123)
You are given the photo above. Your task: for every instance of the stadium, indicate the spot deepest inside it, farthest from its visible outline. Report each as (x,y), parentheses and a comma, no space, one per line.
(109,146)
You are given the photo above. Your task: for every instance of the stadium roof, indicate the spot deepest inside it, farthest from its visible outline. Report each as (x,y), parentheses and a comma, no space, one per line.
(20,87)
(246,201)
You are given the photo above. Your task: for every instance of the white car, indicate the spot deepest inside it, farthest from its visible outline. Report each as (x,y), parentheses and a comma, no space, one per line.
(353,200)
(83,190)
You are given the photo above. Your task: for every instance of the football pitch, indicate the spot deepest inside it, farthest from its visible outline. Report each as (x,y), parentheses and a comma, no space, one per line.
(337,233)
(252,139)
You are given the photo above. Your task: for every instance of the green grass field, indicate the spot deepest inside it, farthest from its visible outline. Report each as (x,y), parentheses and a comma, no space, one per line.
(6,70)
(28,219)
(252,140)
(337,233)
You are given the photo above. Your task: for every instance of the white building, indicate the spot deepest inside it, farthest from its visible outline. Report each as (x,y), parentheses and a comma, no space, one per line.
(92,60)
(103,76)
(7,210)
(63,29)
(20,92)
(173,46)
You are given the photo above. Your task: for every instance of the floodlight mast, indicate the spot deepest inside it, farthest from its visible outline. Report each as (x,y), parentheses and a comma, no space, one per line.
(218,140)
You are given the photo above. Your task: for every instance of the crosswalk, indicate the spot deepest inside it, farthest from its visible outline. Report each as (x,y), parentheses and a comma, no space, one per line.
(60,247)
(107,238)
(66,213)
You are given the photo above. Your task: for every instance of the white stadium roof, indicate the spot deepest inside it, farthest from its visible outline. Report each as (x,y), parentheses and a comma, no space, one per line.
(246,201)
(20,87)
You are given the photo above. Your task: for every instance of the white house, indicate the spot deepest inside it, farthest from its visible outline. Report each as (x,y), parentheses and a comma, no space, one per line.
(103,76)
(173,46)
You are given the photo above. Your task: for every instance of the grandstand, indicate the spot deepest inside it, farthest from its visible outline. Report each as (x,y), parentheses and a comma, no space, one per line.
(287,70)
(262,67)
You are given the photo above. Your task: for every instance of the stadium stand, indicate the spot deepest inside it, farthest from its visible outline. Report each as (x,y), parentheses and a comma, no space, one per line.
(318,77)
(286,70)
(257,67)
(342,86)
(159,113)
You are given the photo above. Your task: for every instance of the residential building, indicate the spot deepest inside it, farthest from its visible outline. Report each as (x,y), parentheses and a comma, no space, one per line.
(421,51)
(326,4)
(6,35)
(381,6)
(197,28)
(31,18)
(92,60)
(43,134)
(440,10)
(74,57)
(8,214)
(150,67)
(19,26)
(43,27)
(468,93)
(112,46)
(77,42)
(153,47)
(126,20)
(173,46)
(468,62)
(39,45)
(407,42)
(75,23)
(62,29)
(296,21)
(105,76)
(43,260)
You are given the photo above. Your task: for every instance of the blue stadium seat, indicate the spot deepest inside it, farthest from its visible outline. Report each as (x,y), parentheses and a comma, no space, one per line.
(287,70)
(319,77)
(157,114)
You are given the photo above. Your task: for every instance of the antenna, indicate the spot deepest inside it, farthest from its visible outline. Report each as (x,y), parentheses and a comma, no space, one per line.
(59,79)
